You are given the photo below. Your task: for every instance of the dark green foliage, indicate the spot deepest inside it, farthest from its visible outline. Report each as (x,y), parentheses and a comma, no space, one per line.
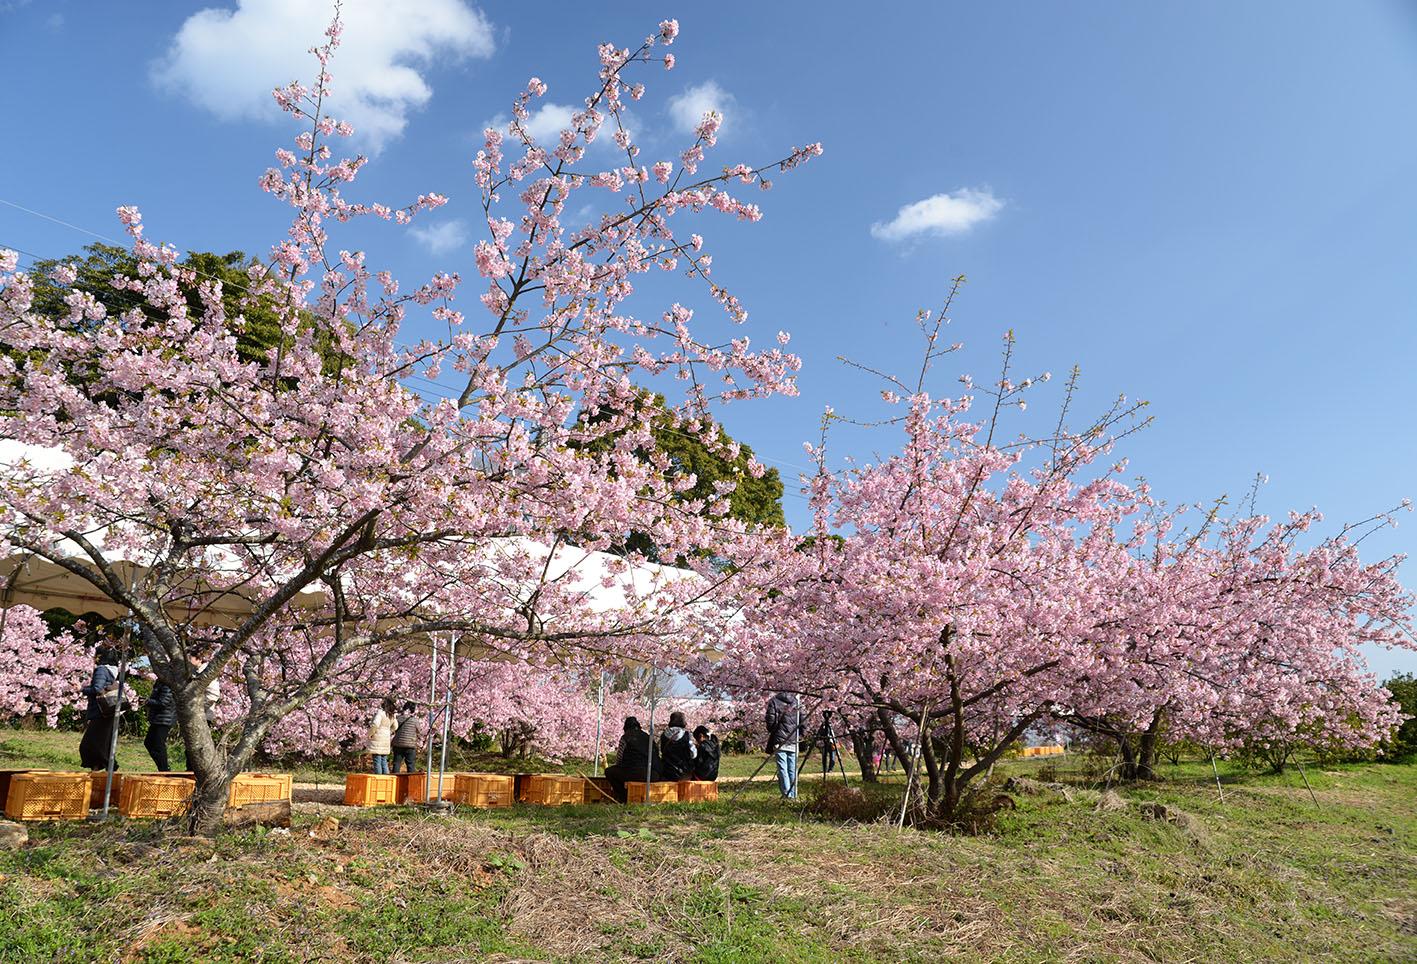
(755,501)
(1403,745)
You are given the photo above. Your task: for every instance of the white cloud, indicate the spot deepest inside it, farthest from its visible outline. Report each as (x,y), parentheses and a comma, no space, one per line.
(940,215)
(441,238)
(688,109)
(546,123)
(228,61)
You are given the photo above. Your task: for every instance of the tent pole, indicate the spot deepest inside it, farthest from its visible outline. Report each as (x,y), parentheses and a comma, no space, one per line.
(117,719)
(447,712)
(432,701)
(599,718)
(649,759)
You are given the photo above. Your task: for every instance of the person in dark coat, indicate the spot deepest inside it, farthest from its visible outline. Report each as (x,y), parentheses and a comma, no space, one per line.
(161,708)
(406,738)
(101,712)
(707,755)
(632,760)
(784,720)
(677,748)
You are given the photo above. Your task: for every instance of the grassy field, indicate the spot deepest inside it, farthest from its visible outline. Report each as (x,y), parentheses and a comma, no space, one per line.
(1265,875)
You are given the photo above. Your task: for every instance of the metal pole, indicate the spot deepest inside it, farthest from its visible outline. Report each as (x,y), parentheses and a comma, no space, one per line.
(432,700)
(1306,782)
(649,759)
(1216,771)
(447,713)
(113,735)
(599,717)
(914,765)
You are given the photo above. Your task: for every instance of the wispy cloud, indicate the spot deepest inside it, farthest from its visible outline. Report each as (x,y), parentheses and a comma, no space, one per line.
(441,238)
(228,61)
(688,108)
(940,215)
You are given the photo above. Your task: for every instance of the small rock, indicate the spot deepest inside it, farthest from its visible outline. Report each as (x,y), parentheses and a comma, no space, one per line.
(13,836)
(1110,802)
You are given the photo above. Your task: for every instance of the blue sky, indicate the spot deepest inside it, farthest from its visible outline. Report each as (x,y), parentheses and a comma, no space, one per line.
(1207,205)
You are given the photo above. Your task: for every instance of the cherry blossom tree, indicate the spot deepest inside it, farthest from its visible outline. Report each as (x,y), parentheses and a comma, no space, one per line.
(979,587)
(269,519)
(40,671)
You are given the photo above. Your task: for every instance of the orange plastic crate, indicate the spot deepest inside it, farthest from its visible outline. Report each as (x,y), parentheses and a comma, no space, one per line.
(698,791)
(599,790)
(155,795)
(411,787)
(96,781)
(258,788)
(554,790)
(484,789)
(48,796)
(370,789)
(659,792)
(7,775)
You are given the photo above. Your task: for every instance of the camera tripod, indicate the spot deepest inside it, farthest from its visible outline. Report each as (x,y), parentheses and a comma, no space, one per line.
(826,736)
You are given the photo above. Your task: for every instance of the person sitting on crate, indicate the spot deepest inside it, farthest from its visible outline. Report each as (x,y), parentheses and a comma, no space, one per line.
(677,749)
(632,759)
(381,734)
(406,739)
(100,714)
(706,754)
(161,707)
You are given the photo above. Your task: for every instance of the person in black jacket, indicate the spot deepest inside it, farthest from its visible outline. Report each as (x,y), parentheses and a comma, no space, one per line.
(784,720)
(161,708)
(677,749)
(632,760)
(706,757)
(406,738)
(97,740)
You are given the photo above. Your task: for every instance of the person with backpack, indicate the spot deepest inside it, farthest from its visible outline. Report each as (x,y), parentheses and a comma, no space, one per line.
(406,740)
(784,721)
(677,749)
(381,734)
(161,707)
(707,754)
(101,713)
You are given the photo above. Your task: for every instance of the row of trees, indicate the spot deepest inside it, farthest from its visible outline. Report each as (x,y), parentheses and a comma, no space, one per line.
(980,588)
(234,430)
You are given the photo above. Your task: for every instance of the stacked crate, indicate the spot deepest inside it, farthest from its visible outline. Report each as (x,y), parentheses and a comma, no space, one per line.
(249,788)
(484,789)
(599,790)
(554,789)
(413,788)
(39,795)
(155,795)
(658,792)
(698,791)
(370,789)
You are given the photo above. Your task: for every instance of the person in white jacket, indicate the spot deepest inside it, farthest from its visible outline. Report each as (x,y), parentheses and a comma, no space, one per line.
(381,734)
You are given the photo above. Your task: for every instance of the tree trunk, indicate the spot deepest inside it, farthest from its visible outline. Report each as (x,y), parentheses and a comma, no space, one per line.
(1148,749)
(208,763)
(863,745)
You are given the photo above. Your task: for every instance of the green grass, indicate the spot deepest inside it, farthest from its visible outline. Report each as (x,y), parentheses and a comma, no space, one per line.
(1264,875)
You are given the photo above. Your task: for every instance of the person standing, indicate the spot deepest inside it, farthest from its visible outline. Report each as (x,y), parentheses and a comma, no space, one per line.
(784,720)
(381,734)
(101,714)
(405,742)
(161,708)
(677,749)
(706,759)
